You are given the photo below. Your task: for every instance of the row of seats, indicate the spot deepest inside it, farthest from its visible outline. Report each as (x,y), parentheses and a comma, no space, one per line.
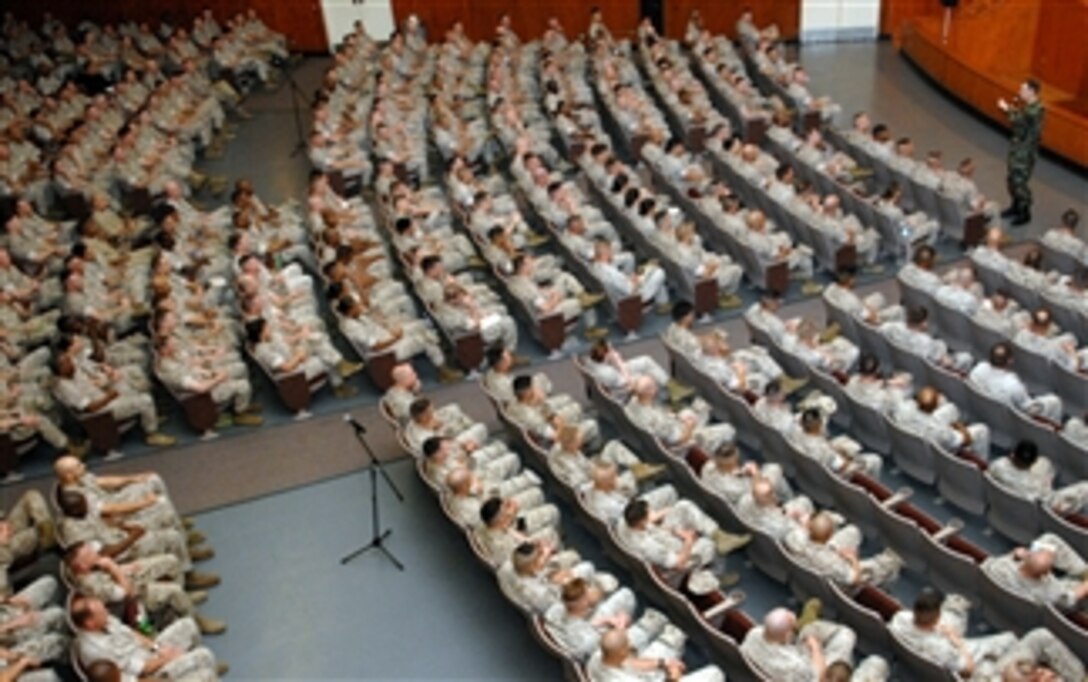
(108,159)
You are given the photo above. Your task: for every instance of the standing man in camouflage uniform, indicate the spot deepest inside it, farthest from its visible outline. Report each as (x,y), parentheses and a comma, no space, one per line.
(1027,128)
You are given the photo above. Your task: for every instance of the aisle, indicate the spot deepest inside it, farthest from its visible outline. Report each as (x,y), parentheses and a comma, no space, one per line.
(296,613)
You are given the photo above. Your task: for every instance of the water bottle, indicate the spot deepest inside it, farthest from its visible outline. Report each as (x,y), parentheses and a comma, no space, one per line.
(904,241)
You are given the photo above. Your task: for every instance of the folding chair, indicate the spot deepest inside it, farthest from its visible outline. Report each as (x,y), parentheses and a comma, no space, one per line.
(813,478)
(1007,609)
(1017,518)
(1035,369)
(844,319)
(1028,297)
(855,503)
(916,666)
(912,453)
(1070,457)
(1062,261)
(953,326)
(871,630)
(907,360)
(1072,634)
(960,481)
(1073,533)
(910,295)
(984,338)
(1072,386)
(830,386)
(776,448)
(903,535)
(768,556)
(1027,427)
(927,201)
(572,669)
(996,414)
(949,570)
(873,341)
(804,582)
(869,425)
(950,384)
(951,216)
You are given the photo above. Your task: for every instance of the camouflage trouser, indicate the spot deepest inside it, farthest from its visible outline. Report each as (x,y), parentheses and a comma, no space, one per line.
(1021,164)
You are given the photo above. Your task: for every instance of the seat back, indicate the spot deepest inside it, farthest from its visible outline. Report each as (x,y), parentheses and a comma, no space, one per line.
(916,666)
(949,383)
(952,216)
(1070,457)
(1072,634)
(983,338)
(767,555)
(1072,386)
(1066,318)
(572,669)
(1026,427)
(813,478)
(869,425)
(790,363)
(950,571)
(1028,297)
(871,630)
(873,341)
(743,419)
(990,278)
(1073,533)
(1017,518)
(830,386)
(995,413)
(910,295)
(912,453)
(959,481)
(927,201)
(1007,609)
(844,319)
(804,582)
(855,503)
(1034,368)
(955,328)
(907,360)
(777,448)
(903,535)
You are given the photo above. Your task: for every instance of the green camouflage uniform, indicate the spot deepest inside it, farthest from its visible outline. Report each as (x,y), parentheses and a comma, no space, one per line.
(1027,128)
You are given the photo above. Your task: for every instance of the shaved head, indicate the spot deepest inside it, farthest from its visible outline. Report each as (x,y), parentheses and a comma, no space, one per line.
(645,387)
(1039,563)
(778,624)
(821,528)
(614,644)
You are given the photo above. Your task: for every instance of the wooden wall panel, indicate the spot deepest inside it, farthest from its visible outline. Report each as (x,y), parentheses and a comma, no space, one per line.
(996,37)
(893,13)
(720,16)
(529,17)
(299,20)
(1061,48)
(1066,129)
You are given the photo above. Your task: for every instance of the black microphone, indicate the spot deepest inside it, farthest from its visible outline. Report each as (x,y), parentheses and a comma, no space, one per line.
(359,428)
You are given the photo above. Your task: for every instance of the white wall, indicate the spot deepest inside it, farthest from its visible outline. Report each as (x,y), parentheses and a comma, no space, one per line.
(341,15)
(833,20)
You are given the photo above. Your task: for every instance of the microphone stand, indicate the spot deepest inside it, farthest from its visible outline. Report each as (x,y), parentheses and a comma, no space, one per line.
(296,95)
(378,536)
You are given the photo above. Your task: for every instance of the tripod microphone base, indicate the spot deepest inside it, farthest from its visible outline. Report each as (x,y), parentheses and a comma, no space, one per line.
(377,543)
